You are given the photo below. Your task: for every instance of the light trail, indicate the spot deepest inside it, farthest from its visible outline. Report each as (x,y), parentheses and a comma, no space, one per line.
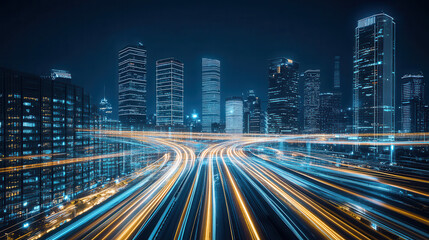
(215,186)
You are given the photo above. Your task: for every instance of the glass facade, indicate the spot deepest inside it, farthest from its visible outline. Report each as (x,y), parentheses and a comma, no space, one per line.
(234,115)
(331,120)
(337,75)
(132,86)
(283,96)
(374,75)
(210,93)
(252,114)
(105,109)
(412,103)
(40,119)
(311,101)
(169,92)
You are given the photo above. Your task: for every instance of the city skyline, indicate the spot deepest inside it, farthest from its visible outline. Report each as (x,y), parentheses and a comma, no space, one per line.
(90,76)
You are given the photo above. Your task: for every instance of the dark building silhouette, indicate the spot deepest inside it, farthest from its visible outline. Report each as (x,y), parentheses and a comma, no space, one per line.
(210,77)
(374,75)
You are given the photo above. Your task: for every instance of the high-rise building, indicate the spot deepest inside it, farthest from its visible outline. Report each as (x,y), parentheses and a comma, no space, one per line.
(169,92)
(252,113)
(329,120)
(132,86)
(311,101)
(412,103)
(39,117)
(61,75)
(283,97)
(234,115)
(374,75)
(210,93)
(338,111)
(426,118)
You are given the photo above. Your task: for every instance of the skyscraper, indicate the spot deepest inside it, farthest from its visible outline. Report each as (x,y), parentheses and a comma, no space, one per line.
(234,115)
(337,75)
(329,114)
(374,75)
(311,101)
(252,113)
(210,93)
(283,108)
(132,86)
(169,92)
(105,109)
(412,103)
(337,119)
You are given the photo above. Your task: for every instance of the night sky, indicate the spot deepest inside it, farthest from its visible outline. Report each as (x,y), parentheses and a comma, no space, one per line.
(84,38)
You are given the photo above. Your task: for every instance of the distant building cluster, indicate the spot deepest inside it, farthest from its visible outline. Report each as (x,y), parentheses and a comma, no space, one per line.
(295,103)
(41,115)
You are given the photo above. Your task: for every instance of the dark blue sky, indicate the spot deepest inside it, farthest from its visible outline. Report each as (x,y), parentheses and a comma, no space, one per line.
(84,38)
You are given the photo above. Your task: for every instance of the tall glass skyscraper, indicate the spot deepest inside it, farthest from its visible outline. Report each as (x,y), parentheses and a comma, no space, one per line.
(210,93)
(311,101)
(412,103)
(234,115)
(132,86)
(374,75)
(169,92)
(283,102)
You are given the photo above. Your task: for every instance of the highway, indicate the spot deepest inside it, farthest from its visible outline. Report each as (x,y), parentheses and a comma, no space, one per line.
(220,186)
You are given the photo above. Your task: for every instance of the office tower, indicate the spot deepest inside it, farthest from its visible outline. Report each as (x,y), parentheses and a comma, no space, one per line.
(283,97)
(311,101)
(234,115)
(169,92)
(330,114)
(337,75)
(374,75)
(193,122)
(132,86)
(426,118)
(412,103)
(38,116)
(264,127)
(105,109)
(210,93)
(252,113)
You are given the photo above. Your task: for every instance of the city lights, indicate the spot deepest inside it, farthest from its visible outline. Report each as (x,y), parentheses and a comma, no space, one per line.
(214,120)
